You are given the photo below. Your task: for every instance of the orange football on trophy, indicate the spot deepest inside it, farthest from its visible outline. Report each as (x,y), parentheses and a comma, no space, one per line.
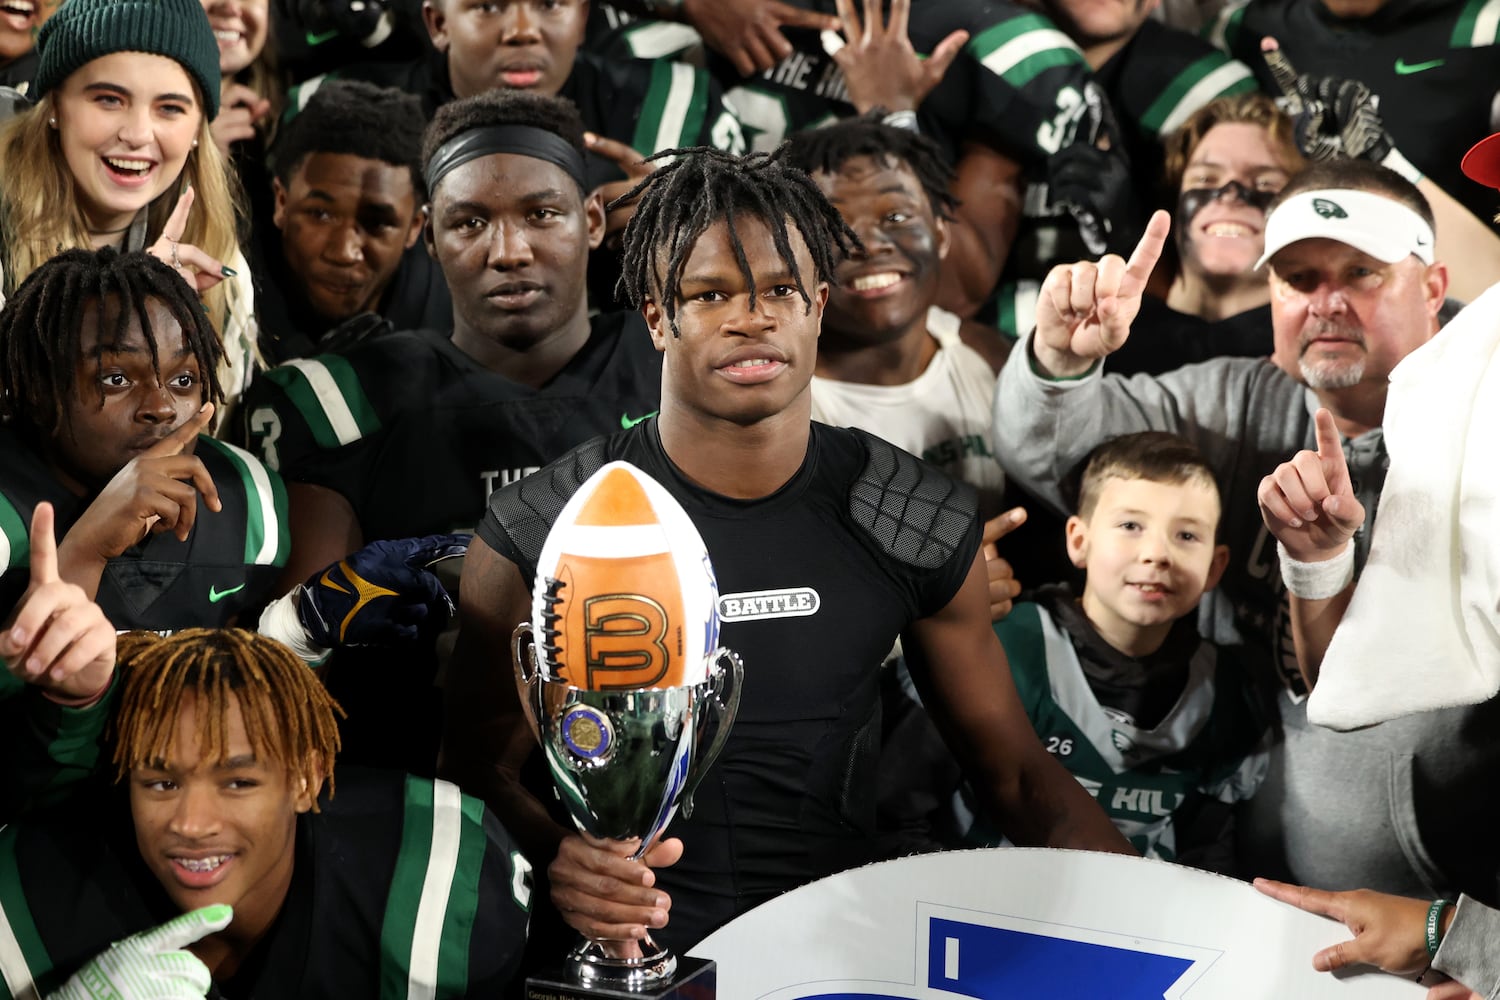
(625,597)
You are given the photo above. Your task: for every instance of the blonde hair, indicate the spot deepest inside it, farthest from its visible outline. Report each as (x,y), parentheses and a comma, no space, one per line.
(289,716)
(40,215)
(1237,109)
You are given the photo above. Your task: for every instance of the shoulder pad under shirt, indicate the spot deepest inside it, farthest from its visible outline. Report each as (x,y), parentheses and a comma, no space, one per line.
(915,512)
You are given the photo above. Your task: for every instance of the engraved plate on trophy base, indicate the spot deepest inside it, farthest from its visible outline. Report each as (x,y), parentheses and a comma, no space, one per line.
(696,979)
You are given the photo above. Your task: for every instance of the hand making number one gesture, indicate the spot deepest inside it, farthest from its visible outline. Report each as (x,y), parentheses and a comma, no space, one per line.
(1308,503)
(59,640)
(1085,309)
(196,267)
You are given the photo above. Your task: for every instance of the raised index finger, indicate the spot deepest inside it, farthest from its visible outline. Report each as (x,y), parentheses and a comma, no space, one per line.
(43,546)
(175,442)
(1145,255)
(176,224)
(1331,451)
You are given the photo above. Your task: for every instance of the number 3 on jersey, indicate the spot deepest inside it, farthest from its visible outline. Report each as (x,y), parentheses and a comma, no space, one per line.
(265,428)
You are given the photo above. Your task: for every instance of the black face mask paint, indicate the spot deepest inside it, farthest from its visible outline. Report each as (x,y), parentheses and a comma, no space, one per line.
(1195,200)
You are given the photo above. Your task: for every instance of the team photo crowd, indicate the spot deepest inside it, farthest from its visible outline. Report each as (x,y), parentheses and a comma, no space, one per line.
(1081,403)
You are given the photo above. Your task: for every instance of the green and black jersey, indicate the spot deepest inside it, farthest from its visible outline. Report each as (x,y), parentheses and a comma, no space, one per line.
(46,749)
(1156,82)
(1153,84)
(227,566)
(415,434)
(621,34)
(402,887)
(650,105)
(1150,780)
(1431,61)
(1017,86)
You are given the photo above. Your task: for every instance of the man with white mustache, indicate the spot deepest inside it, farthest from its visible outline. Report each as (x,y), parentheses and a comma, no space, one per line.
(1355,287)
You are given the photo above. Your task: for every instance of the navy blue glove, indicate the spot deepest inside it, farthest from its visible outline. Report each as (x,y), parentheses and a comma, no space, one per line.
(384,593)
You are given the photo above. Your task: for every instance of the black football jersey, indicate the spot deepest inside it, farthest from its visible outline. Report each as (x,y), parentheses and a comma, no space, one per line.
(815,583)
(227,566)
(649,105)
(415,434)
(358,920)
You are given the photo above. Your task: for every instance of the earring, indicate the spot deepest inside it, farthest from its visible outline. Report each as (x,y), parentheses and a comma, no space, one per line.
(52,121)
(195,143)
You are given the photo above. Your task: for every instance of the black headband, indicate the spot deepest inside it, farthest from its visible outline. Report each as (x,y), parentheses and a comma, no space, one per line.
(524,140)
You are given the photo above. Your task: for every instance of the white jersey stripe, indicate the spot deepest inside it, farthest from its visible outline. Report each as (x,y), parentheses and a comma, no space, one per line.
(1486,24)
(1010,55)
(266,497)
(1205,90)
(674,111)
(13,967)
(432,909)
(661,39)
(340,418)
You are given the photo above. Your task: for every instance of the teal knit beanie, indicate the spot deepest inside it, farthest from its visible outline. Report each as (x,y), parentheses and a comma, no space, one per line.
(83,30)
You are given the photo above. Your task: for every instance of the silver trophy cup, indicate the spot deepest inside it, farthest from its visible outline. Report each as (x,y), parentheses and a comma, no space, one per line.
(622,761)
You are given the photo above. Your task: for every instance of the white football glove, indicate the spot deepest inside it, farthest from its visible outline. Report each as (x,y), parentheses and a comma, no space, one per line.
(151,965)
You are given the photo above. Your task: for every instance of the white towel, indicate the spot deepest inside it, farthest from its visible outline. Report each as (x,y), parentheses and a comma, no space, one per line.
(1423,629)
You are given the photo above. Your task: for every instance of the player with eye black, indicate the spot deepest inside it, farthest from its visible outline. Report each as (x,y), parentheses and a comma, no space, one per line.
(1009,99)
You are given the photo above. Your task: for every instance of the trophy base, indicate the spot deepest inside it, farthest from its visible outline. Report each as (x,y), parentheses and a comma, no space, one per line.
(695,979)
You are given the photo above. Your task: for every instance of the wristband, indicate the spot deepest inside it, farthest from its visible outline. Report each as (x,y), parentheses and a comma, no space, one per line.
(1435,925)
(280,622)
(1395,161)
(1317,581)
(902,119)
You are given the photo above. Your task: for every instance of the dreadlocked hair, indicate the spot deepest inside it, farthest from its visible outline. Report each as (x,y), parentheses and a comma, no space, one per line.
(41,330)
(289,715)
(701,186)
(827,149)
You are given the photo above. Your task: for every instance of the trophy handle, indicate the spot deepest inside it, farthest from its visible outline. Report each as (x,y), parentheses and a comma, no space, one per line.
(723,696)
(528,681)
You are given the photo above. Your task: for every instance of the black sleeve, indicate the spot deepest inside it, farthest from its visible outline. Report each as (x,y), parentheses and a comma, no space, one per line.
(502,921)
(47,750)
(519,516)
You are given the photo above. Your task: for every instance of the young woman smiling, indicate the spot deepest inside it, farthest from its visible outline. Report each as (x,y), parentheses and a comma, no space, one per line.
(118,152)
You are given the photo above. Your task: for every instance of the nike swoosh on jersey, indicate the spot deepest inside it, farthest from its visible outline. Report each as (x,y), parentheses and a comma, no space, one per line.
(1404,68)
(215,595)
(321,37)
(627,421)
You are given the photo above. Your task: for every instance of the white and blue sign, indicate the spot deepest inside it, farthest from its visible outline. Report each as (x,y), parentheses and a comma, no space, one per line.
(1015,923)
